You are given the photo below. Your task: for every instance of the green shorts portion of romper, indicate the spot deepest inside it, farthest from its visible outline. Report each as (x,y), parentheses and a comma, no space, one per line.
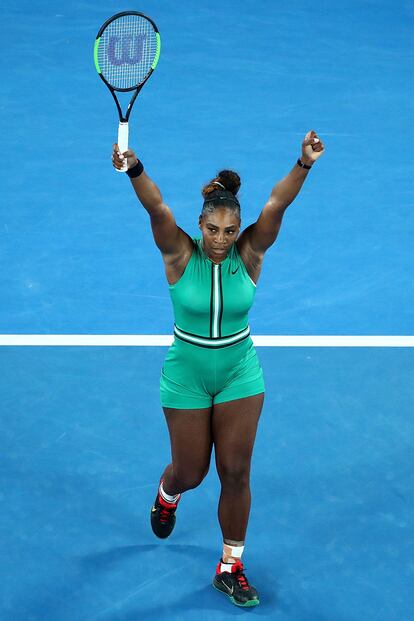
(196,377)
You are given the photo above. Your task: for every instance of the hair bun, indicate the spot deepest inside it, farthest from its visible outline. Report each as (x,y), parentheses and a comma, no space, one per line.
(229,179)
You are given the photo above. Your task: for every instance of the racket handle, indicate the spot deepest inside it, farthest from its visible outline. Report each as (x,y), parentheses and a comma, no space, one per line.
(123,142)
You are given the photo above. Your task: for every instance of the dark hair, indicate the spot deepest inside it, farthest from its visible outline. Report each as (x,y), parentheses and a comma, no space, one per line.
(216,196)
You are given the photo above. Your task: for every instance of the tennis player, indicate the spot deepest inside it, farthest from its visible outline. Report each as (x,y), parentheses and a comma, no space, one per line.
(212,386)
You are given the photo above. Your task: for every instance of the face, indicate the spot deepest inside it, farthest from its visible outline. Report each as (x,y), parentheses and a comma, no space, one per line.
(220,230)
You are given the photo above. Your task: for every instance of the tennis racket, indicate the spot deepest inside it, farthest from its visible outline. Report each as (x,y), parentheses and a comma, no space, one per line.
(127,50)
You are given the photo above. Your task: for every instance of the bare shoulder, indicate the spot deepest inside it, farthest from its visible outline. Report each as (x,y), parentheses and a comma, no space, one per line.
(176,262)
(252,259)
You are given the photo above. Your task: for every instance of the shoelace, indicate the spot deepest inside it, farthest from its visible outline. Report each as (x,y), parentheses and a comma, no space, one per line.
(240,577)
(165,512)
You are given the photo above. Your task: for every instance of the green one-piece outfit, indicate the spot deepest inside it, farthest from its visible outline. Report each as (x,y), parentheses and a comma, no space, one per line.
(212,358)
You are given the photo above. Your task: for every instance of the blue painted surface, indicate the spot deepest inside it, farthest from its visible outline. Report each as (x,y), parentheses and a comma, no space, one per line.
(83,438)
(84,442)
(237,85)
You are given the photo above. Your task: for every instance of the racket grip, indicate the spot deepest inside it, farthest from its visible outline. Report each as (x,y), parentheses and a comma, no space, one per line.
(123,143)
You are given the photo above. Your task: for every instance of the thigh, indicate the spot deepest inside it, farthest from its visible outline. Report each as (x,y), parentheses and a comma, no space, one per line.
(182,385)
(234,426)
(191,438)
(245,375)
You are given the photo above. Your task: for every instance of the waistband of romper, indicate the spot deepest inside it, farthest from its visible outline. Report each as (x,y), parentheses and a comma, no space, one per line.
(214,342)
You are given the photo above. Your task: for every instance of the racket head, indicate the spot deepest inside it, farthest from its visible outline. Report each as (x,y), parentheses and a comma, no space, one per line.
(127,50)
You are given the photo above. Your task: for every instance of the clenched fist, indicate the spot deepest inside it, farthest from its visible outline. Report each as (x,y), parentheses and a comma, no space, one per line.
(312,148)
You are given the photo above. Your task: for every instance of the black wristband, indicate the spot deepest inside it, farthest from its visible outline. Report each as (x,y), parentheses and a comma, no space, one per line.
(302,165)
(136,170)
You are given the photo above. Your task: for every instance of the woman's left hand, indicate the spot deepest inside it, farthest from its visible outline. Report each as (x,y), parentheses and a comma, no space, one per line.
(312,148)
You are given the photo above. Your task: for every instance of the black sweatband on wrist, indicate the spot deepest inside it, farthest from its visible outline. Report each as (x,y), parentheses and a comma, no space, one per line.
(136,170)
(302,165)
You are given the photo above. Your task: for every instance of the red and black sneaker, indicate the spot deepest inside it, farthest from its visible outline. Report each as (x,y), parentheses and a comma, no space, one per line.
(234,584)
(163,516)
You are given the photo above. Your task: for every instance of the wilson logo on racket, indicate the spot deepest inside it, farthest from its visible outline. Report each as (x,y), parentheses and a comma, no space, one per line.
(127,50)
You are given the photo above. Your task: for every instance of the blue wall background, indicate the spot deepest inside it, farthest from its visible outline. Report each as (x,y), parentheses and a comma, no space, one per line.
(238,85)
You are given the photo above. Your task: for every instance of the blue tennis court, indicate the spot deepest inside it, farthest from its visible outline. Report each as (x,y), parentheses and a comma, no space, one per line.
(84,440)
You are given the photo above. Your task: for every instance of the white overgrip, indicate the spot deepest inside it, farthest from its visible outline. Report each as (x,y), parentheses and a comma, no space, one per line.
(123,142)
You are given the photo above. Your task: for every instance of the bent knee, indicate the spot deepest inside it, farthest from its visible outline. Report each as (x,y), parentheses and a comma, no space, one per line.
(189,480)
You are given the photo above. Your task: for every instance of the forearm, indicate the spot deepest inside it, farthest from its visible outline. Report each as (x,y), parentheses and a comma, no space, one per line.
(147,192)
(286,190)
(263,233)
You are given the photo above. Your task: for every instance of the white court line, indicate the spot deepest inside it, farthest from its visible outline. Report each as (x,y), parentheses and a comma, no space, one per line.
(164,340)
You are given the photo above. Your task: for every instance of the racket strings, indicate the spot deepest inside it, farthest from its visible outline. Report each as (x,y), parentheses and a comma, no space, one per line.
(126,52)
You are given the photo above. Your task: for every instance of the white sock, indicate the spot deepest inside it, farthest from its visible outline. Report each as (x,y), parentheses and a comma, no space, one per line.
(167,497)
(231,554)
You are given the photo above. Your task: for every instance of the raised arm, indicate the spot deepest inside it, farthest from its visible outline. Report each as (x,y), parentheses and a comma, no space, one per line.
(258,237)
(174,244)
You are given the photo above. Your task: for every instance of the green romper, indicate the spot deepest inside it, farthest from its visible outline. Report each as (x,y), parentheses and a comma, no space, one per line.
(212,358)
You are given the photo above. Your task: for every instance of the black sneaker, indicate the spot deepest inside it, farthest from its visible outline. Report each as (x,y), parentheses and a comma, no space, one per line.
(163,516)
(234,584)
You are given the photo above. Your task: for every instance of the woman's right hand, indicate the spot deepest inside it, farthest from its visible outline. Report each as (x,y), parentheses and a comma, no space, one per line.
(118,158)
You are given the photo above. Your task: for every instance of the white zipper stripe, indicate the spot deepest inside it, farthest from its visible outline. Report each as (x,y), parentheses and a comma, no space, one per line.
(216,300)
